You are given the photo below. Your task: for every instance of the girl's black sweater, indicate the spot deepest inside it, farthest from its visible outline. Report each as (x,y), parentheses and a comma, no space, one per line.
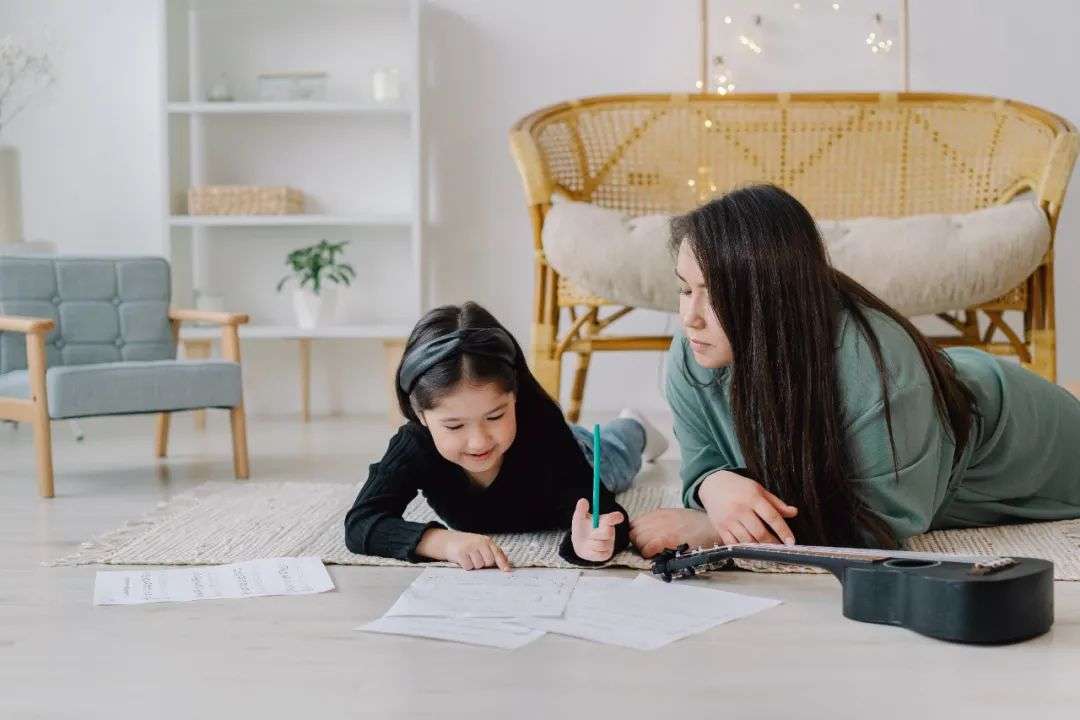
(543,475)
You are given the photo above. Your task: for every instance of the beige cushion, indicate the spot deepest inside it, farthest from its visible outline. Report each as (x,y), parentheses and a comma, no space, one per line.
(920,265)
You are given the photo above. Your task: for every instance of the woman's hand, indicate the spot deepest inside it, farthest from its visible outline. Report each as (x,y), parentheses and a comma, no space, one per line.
(469,550)
(742,511)
(593,544)
(666,528)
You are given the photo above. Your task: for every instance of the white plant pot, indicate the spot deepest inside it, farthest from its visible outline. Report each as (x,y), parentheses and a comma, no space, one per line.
(315,310)
(10,196)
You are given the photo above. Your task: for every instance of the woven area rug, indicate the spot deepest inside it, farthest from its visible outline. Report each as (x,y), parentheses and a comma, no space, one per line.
(224,522)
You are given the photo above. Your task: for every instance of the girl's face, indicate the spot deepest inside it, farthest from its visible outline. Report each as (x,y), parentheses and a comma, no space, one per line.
(707,339)
(473,426)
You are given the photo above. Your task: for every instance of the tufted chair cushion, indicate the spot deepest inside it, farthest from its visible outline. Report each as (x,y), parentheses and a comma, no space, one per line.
(105,309)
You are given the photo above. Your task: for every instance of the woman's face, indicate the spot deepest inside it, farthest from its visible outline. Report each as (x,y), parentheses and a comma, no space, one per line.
(473,426)
(707,339)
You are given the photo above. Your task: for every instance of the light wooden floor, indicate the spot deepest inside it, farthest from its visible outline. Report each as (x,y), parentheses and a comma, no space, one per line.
(299,657)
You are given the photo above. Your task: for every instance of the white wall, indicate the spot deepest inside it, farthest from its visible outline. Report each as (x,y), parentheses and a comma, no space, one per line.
(90,151)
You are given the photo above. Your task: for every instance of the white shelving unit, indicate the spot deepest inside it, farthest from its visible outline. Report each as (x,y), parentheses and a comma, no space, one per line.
(282,108)
(312,220)
(357,161)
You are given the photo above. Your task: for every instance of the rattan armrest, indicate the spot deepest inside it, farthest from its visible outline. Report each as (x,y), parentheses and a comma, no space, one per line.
(26,325)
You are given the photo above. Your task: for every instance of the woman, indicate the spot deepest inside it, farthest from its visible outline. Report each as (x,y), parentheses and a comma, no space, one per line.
(808,410)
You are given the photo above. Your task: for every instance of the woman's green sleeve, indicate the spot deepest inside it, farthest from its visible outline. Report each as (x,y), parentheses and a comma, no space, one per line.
(699,445)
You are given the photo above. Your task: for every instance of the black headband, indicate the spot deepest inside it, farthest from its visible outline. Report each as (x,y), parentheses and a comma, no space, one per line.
(490,342)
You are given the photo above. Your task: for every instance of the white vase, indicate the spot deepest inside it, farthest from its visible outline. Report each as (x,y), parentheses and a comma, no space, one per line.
(10,196)
(315,310)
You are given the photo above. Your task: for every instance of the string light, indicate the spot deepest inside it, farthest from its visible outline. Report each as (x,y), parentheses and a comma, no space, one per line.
(727,19)
(724,82)
(750,44)
(836,6)
(796,6)
(876,39)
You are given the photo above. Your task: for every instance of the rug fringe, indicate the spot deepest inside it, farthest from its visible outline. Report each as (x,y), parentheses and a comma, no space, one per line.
(97,549)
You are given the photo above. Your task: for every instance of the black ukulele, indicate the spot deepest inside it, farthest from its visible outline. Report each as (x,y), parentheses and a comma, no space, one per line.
(970,600)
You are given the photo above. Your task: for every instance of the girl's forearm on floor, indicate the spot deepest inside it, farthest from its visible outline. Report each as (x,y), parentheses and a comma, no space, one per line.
(433,544)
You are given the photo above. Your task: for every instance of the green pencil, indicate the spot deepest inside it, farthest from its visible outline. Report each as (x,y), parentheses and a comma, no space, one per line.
(595,476)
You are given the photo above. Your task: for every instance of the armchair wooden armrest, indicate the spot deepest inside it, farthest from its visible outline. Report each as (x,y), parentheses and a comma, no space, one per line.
(26,325)
(207,316)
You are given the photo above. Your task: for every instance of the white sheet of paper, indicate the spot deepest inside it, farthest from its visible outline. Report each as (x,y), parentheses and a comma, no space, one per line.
(474,631)
(645,613)
(252,578)
(456,593)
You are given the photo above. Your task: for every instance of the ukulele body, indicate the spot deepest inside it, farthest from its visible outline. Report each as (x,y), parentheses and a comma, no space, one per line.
(992,600)
(943,600)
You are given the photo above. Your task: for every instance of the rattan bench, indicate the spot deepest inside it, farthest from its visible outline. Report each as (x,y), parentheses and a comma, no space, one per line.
(842,155)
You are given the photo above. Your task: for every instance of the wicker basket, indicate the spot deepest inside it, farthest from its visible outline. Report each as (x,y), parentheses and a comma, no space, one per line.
(244,200)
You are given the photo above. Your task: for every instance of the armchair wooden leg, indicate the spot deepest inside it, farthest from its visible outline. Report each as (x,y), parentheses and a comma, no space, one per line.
(577,391)
(43,448)
(238,420)
(35,363)
(161,443)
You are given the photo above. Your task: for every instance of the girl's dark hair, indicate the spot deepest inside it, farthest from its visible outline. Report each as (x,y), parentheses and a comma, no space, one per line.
(779,303)
(442,377)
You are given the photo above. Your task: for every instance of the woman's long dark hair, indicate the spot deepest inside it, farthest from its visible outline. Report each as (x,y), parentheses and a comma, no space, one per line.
(779,302)
(441,378)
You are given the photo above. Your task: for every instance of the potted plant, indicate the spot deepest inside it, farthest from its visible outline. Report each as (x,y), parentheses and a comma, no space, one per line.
(313,268)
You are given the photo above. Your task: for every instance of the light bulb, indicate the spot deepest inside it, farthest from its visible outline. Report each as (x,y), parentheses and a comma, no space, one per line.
(877,39)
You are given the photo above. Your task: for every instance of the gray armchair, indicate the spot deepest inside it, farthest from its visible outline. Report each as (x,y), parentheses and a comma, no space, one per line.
(92,336)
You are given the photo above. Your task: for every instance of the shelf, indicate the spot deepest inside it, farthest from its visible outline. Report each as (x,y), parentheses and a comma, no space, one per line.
(279,108)
(299,220)
(292,332)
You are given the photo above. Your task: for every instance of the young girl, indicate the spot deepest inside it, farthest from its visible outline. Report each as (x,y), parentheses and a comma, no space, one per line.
(491,452)
(808,410)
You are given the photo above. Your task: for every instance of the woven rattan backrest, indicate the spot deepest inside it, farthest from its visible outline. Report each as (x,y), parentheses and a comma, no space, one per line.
(841,155)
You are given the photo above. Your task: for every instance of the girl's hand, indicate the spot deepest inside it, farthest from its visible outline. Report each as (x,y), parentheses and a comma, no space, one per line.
(742,511)
(469,550)
(594,545)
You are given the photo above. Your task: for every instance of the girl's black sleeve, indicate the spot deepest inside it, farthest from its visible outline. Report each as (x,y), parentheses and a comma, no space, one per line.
(374,525)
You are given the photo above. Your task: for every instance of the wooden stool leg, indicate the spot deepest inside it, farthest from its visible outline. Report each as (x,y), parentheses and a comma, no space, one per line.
(305,379)
(393,350)
(197,350)
(161,444)
(35,366)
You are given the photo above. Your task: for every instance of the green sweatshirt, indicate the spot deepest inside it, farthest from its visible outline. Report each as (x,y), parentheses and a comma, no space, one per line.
(1023,461)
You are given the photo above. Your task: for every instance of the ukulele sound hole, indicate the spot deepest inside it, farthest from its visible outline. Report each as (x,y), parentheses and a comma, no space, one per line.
(910,563)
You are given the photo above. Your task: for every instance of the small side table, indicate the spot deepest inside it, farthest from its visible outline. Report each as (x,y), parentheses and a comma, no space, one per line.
(197,343)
